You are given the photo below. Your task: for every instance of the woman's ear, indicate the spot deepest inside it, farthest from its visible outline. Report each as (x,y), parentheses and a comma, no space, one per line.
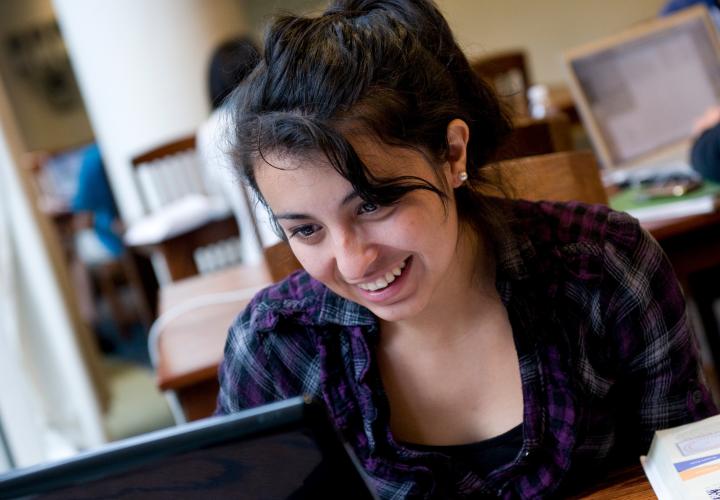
(458,134)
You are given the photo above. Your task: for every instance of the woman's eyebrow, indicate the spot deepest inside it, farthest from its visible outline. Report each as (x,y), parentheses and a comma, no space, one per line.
(292,216)
(349,197)
(297,216)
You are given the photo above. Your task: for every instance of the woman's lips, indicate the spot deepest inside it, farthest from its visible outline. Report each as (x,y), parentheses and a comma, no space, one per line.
(390,289)
(383,281)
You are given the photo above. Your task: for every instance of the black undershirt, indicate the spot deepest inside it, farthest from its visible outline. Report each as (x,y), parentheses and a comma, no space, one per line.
(483,456)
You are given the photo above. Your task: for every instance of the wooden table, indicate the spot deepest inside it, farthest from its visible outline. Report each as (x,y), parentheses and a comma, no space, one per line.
(627,484)
(190,346)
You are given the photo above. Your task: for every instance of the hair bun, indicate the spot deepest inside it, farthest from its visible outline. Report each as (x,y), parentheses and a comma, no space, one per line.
(356,7)
(408,12)
(422,18)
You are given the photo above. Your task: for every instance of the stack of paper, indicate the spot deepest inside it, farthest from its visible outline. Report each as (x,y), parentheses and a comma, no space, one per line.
(704,200)
(684,462)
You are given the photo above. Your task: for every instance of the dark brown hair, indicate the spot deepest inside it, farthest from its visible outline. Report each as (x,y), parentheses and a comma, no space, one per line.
(391,68)
(231,62)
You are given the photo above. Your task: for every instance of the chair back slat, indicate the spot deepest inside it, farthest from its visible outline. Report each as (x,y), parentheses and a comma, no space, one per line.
(564,176)
(532,136)
(152,197)
(184,144)
(163,180)
(280,260)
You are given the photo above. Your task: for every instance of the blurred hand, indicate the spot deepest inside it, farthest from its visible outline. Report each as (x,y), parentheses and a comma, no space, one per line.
(118,226)
(709,119)
(82,220)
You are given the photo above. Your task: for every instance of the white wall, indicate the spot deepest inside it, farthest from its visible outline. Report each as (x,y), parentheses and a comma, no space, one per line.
(141,66)
(260,12)
(544,28)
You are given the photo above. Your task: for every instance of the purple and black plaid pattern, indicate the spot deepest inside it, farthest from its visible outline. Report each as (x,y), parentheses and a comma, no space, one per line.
(606,356)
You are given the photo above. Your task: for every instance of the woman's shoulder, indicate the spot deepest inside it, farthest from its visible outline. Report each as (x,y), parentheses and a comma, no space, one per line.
(270,350)
(294,310)
(577,225)
(298,296)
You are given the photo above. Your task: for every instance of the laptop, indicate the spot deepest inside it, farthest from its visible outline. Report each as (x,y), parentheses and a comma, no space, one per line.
(639,92)
(284,450)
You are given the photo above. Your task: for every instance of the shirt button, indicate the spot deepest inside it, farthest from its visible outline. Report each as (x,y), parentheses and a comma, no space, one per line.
(697,396)
(526,454)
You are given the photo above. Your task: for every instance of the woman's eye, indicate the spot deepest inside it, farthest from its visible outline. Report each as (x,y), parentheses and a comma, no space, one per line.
(305,231)
(368,207)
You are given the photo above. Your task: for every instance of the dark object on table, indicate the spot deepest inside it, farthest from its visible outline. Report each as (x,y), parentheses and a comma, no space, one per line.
(286,449)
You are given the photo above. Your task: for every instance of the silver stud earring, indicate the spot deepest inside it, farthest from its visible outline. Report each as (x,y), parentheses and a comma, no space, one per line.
(463,176)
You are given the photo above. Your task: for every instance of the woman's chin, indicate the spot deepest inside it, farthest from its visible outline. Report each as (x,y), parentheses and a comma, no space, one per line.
(395,312)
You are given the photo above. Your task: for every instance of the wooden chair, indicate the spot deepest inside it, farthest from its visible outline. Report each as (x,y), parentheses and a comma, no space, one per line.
(507,72)
(532,137)
(564,176)
(169,178)
(280,260)
(168,172)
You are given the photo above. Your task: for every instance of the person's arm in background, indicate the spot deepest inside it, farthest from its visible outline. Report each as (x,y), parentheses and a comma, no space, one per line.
(705,152)
(94,204)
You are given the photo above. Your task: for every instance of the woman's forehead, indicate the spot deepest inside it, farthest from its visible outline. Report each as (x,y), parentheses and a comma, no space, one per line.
(298,186)
(380,159)
(288,171)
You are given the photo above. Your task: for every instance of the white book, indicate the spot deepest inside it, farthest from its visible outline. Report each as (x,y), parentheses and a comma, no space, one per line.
(683,463)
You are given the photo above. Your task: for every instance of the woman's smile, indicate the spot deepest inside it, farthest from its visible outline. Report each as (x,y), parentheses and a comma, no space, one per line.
(384,280)
(388,286)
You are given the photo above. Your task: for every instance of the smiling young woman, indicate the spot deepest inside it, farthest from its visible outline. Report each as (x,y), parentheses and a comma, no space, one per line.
(464,345)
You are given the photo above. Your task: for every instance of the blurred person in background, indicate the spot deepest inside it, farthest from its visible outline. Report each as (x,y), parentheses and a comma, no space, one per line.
(231,62)
(705,153)
(105,277)
(97,219)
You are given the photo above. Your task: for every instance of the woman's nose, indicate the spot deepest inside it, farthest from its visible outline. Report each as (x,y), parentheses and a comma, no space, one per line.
(354,257)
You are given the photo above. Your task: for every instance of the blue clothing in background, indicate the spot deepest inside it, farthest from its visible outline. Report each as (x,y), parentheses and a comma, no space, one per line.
(673,6)
(94,195)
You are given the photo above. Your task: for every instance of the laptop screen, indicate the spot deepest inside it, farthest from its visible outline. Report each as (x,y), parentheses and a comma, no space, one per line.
(642,91)
(285,450)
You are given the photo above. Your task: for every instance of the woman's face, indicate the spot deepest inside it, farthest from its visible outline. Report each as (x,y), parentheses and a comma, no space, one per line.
(391,259)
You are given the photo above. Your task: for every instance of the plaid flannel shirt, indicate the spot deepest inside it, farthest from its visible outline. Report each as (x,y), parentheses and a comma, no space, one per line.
(606,357)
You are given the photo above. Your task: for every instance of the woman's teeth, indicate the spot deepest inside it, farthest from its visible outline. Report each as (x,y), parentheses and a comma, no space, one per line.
(383,281)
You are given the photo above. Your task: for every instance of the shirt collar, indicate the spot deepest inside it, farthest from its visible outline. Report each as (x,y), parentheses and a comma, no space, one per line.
(308,302)
(514,251)
(338,310)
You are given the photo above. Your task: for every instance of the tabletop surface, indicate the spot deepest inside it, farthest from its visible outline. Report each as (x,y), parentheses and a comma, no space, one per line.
(624,484)
(190,346)
(665,229)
